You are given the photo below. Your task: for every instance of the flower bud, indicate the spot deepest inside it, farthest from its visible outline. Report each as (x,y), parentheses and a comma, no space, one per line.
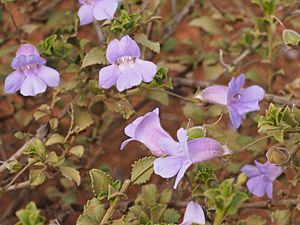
(278,155)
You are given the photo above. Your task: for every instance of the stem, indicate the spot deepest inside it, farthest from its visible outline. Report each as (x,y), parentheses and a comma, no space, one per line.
(219,218)
(270,54)
(18,186)
(253,143)
(14,22)
(99,32)
(109,213)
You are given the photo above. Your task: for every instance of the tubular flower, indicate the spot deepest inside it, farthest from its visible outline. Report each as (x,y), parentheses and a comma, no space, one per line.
(147,130)
(183,154)
(193,214)
(91,10)
(31,76)
(261,178)
(238,101)
(127,69)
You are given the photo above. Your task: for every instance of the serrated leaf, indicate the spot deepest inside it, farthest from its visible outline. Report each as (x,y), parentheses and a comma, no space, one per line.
(55,139)
(92,214)
(171,216)
(148,196)
(166,196)
(100,182)
(30,215)
(142,170)
(157,212)
(112,193)
(37,176)
(93,57)
(143,40)
(71,173)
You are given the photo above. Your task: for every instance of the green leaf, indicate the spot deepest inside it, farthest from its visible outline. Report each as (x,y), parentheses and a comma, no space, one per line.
(30,215)
(160,96)
(193,112)
(281,217)
(171,216)
(55,139)
(166,196)
(46,46)
(100,182)
(122,107)
(14,166)
(196,132)
(142,170)
(71,173)
(143,40)
(93,57)
(255,220)
(157,212)
(37,176)
(82,118)
(148,195)
(236,201)
(208,24)
(290,38)
(77,150)
(92,214)
(112,193)
(36,148)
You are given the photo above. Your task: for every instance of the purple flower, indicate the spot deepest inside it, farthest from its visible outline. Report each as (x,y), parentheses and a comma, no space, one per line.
(147,130)
(183,154)
(91,10)
(126,69)
(261,178)
(30,75)
(193,214)
(238,101)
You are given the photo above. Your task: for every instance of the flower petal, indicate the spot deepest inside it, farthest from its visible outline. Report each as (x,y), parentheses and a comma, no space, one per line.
(13,82)
(250,171)
(270,170)
(125,47)
(129,78)
(33,85)
(182,136)
(167,167)
(169,146)
(216,94)
(108,76)
(193,214)
(48,75)
(257,185)
(85,14)
(235,117)
(270,190)
(126,142)
(234,86)
(203,149)
(105,9)
(27,49)
(147,69)
(181,172)
(25,60)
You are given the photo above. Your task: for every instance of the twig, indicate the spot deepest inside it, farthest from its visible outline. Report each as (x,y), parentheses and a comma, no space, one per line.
(18,186)
(177,20)
(268,97)
(14,23)
(17,154)
(99,32)
(115,203)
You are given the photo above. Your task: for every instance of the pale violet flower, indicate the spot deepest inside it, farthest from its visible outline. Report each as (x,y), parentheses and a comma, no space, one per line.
(261,178)
(183,154)
(148,130)
(31,76)
(238,101)
(91,10)
(127,69)
(193,214)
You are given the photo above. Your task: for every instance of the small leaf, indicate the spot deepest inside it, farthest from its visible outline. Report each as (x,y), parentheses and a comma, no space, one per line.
(93,57)
(55,139)
(92,214)
(142,170)
(257,220)
(71,173)
(207,23)
(37,176)
(100,182)
(112,193)
(77,150)
(82,119)
(157,212)
(30,215)
(171,216)
(143,40)
(281,217)
(193,112)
